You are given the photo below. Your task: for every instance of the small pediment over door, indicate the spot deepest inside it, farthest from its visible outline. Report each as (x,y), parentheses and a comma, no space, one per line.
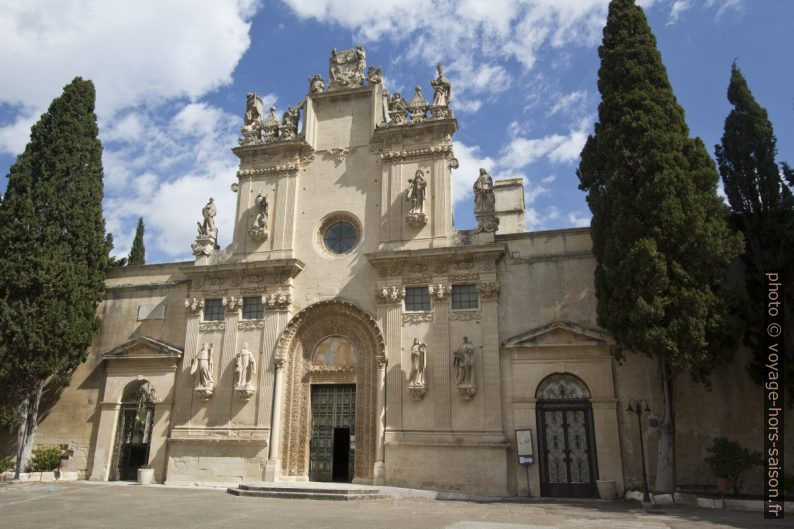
(560,334)
(142,348)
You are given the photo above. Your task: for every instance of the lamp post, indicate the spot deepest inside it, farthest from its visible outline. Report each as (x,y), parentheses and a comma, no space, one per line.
(638,407)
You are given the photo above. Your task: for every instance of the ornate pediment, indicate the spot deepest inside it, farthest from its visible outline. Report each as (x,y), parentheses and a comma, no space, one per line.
(560,334)
(141,348)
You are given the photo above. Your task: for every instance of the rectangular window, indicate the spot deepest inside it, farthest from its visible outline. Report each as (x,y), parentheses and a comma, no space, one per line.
(464,297)
(417,299)
(253,308)
(213,310)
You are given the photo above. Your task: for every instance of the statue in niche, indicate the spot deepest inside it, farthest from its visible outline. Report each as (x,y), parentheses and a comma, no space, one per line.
(418,106)
(203,366)
(244,368)
(485,204)
(442,88)
(416,380)
(398,108)
(374,75)
(252,119)
(463,362)
(316,84)
(416,193)
(259,231)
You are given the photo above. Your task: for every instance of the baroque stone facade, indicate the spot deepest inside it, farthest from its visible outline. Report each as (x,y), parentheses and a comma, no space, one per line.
(348,309)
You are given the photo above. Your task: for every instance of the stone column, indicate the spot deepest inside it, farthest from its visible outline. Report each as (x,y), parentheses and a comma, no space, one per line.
(390,321)
(224,382)
(379,471)
(183,397)
(276,318)
(488,293)
(273,465)
(440,357)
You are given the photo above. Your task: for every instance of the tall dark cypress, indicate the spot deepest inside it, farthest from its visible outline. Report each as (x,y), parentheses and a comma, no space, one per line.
(763,209)
(54,255)
(138,252)
(659,233)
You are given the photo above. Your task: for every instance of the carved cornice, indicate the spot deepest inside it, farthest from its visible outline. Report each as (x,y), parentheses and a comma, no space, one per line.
(390,294)
(412,318)
(404,155)
(212,326)
(488,290)
(468,315)
(250,325)
(458,278)
(393,263)
(439,291)
(242,275)
(276,170)
(194,305)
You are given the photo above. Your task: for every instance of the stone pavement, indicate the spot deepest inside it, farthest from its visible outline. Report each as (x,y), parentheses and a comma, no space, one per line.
(89,505)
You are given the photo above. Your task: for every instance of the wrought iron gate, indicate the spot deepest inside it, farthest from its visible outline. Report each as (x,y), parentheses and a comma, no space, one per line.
(133,436)
(333,423)
(566,441)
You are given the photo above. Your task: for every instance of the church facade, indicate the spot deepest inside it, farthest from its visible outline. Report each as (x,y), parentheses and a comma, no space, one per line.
(350,332)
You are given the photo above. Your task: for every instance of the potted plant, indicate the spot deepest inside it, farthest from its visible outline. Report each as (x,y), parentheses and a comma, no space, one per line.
(729,461)
(145,475)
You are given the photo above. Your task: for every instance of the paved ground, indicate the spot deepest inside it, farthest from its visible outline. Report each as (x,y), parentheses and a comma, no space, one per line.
(86,505)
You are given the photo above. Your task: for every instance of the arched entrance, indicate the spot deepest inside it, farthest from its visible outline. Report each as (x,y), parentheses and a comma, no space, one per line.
(134,431)
(566,441)
(330,353)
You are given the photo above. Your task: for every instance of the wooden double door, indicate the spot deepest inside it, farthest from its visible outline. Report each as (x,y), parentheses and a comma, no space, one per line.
(332,448)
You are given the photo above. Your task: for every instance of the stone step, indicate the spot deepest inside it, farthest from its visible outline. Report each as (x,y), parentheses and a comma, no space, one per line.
(321,490)
(316,494)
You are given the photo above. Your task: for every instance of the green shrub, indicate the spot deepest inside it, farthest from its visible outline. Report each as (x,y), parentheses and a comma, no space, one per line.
(6,463)
(730,460)
(45,458)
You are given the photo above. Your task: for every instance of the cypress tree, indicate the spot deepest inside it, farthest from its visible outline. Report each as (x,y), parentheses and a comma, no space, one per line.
(659,233)
(54,255)
(763,209)
(138,251)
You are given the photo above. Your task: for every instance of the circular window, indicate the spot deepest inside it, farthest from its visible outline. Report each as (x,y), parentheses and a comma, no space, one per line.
(340,237)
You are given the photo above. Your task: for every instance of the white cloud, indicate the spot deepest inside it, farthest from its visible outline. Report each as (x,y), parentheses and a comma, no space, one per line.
(569,104)
(558,148)
(678,7)
(141,52)
(578,219)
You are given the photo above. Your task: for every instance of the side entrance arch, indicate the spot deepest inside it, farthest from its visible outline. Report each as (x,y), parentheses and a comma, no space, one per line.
(566,441)
(134,431)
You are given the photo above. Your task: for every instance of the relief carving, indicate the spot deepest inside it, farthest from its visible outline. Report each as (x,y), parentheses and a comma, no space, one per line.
(212,326)
(439,291)
(278,301)
(390,294)
(467,315)
(194,306)
(346,68)
(250,325)
(488,290)
(412,318)
(232,304)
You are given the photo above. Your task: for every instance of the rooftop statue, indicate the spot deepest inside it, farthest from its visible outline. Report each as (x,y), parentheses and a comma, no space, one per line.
(442,88)
(374,75)
(207,236)
(270,125)
(485,203)
(398,108)
(316,84)
(289,123)
(252,119)
(346,68)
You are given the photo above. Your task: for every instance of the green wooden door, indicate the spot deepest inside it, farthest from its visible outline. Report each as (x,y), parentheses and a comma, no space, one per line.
(333,407)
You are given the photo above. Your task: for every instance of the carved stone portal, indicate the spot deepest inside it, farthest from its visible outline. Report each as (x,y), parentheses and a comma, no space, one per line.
(296,347)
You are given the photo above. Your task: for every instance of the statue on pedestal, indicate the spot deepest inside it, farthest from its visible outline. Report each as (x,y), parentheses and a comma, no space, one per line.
(316,84)
(416,380)
(442,88)
(416,194)
(485,204)
(207,236)
(203,366)
(244,371)
(252,120)
(258,230)
(463,362)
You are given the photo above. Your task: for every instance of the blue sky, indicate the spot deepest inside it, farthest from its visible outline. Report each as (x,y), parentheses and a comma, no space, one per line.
(172,76)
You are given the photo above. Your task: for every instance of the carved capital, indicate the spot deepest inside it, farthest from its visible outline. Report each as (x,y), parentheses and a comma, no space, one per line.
(488,290)
(232,303)
(278,301)
(390,294)
(440,291)
(194,305)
